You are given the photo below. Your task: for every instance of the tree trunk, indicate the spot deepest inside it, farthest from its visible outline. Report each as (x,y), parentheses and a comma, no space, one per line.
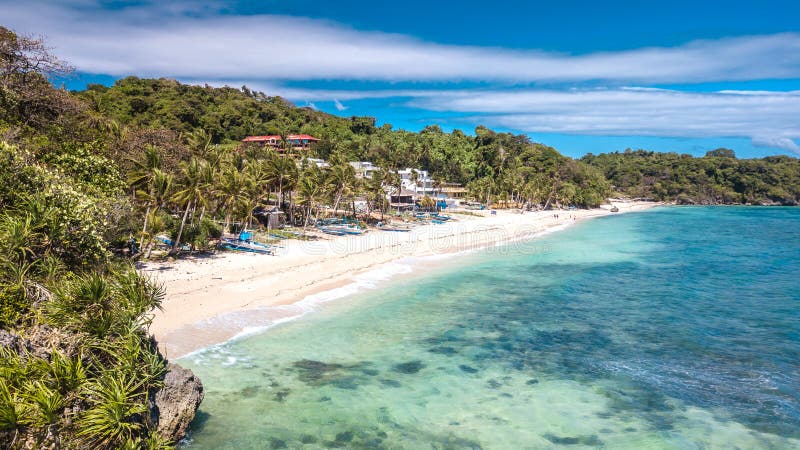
(336,203)
(291,206)
(183,223)
(280,195)
(226,228)
(146,216)
(308,215)
(550,196)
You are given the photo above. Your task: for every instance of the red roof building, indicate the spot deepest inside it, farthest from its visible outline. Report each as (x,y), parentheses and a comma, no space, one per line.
(296,141)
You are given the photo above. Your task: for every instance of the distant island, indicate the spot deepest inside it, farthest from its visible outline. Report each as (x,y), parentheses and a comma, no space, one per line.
(96,181)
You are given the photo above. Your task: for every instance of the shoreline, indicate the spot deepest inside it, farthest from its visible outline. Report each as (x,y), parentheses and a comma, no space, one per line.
(211,300)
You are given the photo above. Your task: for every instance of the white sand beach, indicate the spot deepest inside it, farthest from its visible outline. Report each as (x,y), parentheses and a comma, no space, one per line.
(212,299)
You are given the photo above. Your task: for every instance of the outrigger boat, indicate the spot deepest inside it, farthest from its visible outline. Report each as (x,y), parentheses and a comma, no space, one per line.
(340,230)
(387,227)
(332,231)
(244,244)
(168,242)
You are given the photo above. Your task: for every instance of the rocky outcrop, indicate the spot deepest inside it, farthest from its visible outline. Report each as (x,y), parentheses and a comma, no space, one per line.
(174,405)
(40,341)
(9,340)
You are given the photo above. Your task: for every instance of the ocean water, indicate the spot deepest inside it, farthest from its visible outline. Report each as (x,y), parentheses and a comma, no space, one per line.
(671,328)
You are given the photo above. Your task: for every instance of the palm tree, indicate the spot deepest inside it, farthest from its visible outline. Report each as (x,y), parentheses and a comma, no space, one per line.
(208,174)
(195,184)
(283,173)
(143,167)
(414,177)
(199,141)
(376,191)
(230,192)
(310,188)
(392,178)
(159,187)
(142,176)
(342,181)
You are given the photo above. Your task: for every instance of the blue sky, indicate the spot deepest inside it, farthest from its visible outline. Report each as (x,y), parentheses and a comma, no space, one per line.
(582,76)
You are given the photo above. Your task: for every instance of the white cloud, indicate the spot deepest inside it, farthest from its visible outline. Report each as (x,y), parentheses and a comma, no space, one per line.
(777,142)
(197,44)
(770,119)
(182,40)
(339,106)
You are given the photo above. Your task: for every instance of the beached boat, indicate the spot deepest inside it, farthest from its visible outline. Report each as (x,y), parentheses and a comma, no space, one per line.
(394,228)
(332,231)
(246,246)
(343,229)
(168,242)
(614,209)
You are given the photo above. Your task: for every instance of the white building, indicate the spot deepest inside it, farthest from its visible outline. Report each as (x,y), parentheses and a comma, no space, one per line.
(321,163)
(417,181)
(364,169)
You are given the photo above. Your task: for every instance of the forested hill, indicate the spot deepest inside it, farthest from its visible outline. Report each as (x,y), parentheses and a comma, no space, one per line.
(717,178)
(225,113)
(493,165)
(500,163)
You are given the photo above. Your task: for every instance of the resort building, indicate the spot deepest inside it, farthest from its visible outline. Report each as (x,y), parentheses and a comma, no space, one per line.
(403,199)
(418,181)
(293,141)
(452,190)
(364,169)
(321,163)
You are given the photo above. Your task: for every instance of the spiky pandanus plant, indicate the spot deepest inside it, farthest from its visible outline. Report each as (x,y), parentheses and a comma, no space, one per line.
(115,416)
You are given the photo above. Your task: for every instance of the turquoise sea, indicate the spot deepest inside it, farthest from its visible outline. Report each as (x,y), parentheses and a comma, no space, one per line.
(671,328)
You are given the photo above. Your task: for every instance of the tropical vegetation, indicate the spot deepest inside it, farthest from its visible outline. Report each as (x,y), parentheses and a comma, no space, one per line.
(89,180)
(717,178)
(77,366)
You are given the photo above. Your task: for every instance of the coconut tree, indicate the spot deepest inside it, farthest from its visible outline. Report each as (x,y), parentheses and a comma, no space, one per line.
(158,190)
(199,141)
(194,191)
(141,176)
(283,174)
(230,192)
(392,178)
(310,188)
(143,167)
(341,179)
(414,178)
(375,190)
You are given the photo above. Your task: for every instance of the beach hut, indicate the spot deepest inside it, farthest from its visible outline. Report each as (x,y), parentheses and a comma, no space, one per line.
(271,218)
(402,199)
